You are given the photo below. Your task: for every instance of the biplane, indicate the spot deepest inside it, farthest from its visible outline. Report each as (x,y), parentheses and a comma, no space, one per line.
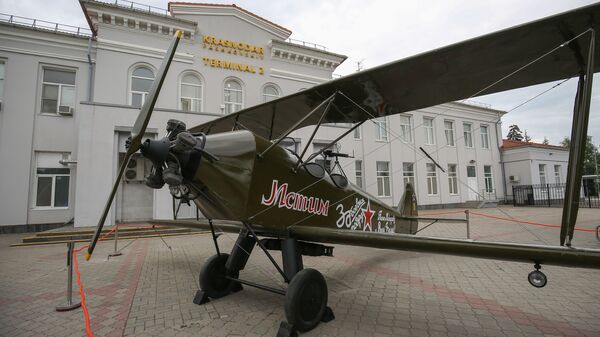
(234,168)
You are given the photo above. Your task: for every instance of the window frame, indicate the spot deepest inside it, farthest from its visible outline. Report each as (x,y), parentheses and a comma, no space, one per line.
(451,130)
(470,145)
(557,174)
(488,179)
(60,89)
(378,129)
(542,173)
(357,133)
(453,180)
(241,91)
(199,101)
(53,188)
(431,180)
(429,130)
(265,95)
(385,180)
(485,140)
(358,173)
(408,174)
(404,127)
(131,77)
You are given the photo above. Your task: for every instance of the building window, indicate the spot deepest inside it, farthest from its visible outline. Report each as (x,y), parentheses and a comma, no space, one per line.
(357,133)
(191,93)
(431,179)
(141,81)
(270,92)
(429,132)
(359,173)
(383,178)
(542,174)
(58,91)
(452,179)
(408,173)
(1,84)
(51,182)
(381,132)
(233,94)
(557,174)
(487,177)
(449,131)
(468,134)
(405,129)
(485,137)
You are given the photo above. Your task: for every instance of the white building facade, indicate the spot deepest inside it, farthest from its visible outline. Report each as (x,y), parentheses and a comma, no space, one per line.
(533,164)
(69,98)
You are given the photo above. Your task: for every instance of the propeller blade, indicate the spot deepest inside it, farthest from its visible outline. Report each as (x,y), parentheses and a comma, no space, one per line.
(136,135)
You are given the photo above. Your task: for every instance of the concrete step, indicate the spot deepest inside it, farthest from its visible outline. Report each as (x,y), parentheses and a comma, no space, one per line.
(82,235)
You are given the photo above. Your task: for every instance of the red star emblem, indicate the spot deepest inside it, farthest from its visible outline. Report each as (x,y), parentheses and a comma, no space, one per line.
(368,214)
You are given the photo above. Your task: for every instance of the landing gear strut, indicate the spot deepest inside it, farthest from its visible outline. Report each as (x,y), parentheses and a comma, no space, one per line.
(306,295)
(536,278)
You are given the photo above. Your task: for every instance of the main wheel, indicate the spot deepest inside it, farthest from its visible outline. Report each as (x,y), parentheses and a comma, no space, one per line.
(306,299)
(212,277)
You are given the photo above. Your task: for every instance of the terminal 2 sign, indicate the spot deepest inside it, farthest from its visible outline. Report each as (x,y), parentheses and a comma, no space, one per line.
(234,48)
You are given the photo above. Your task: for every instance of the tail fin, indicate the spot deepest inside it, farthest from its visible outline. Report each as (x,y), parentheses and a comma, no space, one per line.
(408,207)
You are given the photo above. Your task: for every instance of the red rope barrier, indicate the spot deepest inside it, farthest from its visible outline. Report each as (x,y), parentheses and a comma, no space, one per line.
(532,223)
(86,314)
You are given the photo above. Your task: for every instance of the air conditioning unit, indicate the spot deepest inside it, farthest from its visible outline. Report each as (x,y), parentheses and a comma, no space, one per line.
(514,179)
(65,110)
(134,170)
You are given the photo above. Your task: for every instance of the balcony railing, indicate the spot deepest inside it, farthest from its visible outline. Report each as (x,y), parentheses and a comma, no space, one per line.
(139,6)
(45,25)
(307,44)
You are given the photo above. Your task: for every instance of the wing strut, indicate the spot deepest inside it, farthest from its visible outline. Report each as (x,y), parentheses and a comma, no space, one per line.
(579,128)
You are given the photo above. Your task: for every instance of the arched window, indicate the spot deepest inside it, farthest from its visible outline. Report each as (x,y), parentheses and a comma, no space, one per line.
(190,93)
(141,81)
(270,92)
(233,96)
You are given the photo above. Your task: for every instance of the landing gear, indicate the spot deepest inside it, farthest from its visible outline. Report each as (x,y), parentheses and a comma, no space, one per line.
(213,281)
(536,278)
(306,300)
(306,295)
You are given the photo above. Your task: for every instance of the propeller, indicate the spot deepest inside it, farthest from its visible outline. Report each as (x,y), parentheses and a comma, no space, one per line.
(139,128)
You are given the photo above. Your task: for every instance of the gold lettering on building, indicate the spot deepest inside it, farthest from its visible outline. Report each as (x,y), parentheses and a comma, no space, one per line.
(247,68)
(232,47)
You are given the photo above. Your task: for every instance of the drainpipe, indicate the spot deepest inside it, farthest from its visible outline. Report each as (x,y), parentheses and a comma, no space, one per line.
(90,70)
(501,162)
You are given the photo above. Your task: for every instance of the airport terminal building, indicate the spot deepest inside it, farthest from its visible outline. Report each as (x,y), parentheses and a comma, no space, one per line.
(69,97)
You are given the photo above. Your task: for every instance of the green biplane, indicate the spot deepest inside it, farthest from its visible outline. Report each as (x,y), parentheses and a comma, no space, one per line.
(234,168)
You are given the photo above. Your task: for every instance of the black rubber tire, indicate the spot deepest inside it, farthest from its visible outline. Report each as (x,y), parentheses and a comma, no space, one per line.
(212,277)
(306,299)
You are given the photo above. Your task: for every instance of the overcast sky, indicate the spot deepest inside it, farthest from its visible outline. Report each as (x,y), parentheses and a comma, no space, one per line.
(377,32)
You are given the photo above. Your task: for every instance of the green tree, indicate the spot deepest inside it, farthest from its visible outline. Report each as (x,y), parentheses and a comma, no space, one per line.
(514,133)
(591,156)
(526,137)
(546,141)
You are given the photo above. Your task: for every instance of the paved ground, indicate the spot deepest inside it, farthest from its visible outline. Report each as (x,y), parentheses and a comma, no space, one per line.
(148,291)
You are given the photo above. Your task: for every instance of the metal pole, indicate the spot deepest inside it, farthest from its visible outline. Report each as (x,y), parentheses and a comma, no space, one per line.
(468,224)
(70,305)
(116,252)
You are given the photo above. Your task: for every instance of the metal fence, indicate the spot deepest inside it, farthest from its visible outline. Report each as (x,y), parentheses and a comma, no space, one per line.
(553,195)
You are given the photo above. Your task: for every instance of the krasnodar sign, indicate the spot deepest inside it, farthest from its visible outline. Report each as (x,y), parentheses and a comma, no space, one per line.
(235,48)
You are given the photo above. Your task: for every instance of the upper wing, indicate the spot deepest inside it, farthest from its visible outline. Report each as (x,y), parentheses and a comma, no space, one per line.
(554,255)
(454,72)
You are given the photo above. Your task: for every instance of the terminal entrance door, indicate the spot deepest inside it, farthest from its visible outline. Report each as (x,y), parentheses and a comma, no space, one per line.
(472,182)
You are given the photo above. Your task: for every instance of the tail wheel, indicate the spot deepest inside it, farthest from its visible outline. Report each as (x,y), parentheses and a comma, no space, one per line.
(306,300)
(212,277)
